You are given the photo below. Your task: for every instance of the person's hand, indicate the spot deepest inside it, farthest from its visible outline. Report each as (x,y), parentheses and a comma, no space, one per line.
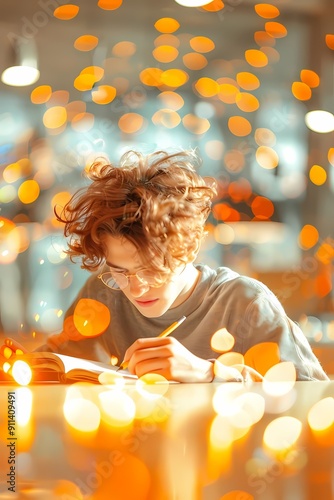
(8,350)
(169,358)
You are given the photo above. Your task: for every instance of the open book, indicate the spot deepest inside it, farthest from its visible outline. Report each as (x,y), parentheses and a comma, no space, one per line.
(49,366)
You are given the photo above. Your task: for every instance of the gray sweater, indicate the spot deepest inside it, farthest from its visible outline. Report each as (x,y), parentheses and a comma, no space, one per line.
(222,299)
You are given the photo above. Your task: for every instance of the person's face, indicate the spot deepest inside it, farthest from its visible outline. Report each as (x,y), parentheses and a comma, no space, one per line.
(122,256)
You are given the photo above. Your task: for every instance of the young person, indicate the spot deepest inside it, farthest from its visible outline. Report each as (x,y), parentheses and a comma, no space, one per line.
(138,227)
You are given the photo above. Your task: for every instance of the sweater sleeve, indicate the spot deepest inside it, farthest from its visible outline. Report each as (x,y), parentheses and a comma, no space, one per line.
(270,336)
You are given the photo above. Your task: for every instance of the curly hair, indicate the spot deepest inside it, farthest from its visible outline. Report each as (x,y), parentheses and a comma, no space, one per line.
(158,202)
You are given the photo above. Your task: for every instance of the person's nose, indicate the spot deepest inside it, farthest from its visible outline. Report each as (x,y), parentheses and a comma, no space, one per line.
(137,288)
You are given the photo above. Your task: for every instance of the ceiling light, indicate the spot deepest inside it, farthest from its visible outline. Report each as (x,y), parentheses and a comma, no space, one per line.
(23,69)
(193,3)
(320,121)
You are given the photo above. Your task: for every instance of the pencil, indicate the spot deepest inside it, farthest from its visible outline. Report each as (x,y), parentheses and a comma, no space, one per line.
(163,334)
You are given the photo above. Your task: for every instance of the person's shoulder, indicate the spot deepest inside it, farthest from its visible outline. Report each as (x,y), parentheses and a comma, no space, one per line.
(244,285)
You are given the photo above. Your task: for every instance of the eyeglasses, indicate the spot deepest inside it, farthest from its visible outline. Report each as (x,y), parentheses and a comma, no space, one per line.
(119,281)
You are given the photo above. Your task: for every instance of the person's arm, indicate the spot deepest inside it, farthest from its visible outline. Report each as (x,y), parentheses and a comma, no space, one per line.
(266,323)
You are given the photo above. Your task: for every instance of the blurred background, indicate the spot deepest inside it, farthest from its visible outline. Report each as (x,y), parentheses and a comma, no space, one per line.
(251,85)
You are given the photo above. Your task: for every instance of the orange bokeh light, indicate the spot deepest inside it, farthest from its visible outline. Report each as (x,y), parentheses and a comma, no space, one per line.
(247,80)
(167,25)
(109,4)
(308,236)
(165,53)
(66,12)
(330,41)
(311,78)
(262,207)
(256,58)
(86,43)
(239,126)
(266,10)
(103,94)
(91,317)
(202,44)
(247,102)
(131,123)
(276,30)
(194,61)
(41,94)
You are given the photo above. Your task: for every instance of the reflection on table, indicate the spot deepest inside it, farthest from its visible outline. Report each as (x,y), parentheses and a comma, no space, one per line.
(141,441)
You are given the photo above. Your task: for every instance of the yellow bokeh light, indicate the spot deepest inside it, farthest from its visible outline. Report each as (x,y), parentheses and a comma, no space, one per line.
(103,94)
(282,433)
(66,12)
(321,416)
(318,175)
(41,94)
(308,237)
(28,191)
(95,71)
(91,317)
(239,126)
(222,341)
(165,53)
(174,77)
(256,58)
(206,87)
(202,44)
(228,92)
(86,43)
(266,157)
(131,123)
(55,117)
(84,82)
(167,25)
(124,49)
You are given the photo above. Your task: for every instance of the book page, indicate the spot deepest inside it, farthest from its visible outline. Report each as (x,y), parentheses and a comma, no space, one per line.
(72,363)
